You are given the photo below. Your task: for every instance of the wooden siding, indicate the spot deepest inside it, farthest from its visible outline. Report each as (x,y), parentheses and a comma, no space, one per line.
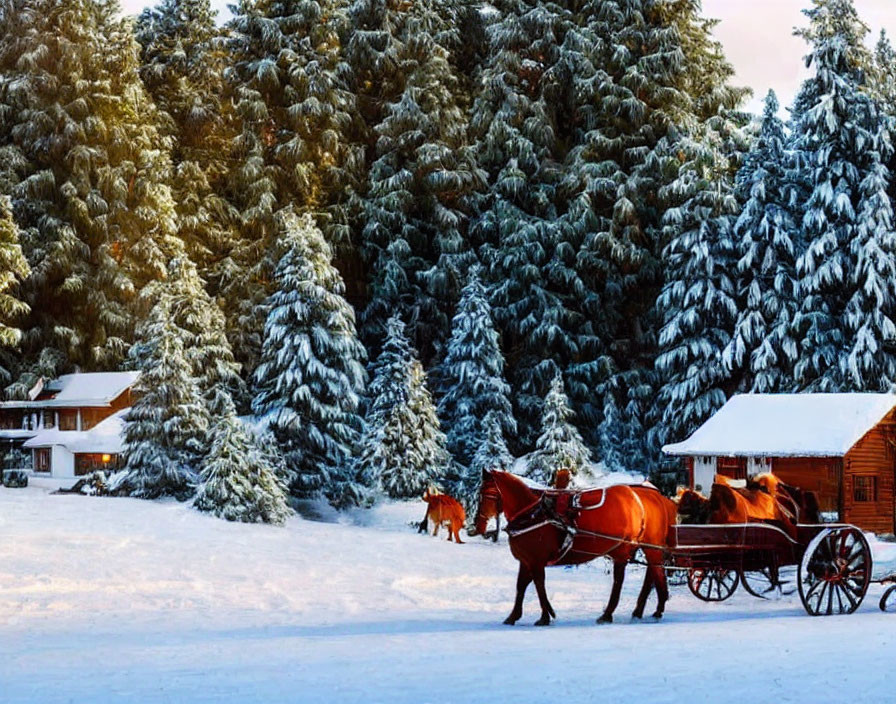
(873,456)
(819,474)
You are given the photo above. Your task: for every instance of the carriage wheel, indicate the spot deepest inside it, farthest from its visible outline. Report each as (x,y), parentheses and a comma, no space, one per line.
(835,572)
(888,600)
(712,584)
(763,584)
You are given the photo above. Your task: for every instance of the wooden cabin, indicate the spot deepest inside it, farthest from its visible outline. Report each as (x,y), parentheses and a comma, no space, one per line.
(71,425)
(841,446)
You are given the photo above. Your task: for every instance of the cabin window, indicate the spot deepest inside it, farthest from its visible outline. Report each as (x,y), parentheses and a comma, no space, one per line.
(85,463)
(864,489)
(49,419)
(68,420)
(42,459)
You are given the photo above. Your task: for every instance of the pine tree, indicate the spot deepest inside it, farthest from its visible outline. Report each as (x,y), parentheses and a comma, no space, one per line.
(491,454)
(472,374)
(311,373)
(515,127)
(166,430)
(290,88)
(762,350)
(845,271)
(422,171)
(13,270)
(697,303)
(559,446)
(206,347)
(182,66)
(237,482)
(89,187)
(402,450)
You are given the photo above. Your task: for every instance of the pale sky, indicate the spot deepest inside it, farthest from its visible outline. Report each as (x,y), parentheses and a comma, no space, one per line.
(757,36)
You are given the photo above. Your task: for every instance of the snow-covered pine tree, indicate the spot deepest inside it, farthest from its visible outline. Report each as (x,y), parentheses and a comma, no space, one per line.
(697,303)
(472,375)
(762,350)
(560,445)
(237,482)
(643,76)
(290,88)
(846,318)
(182,67)
(13,270)
(311,373)
(490,454)
(203,330)
(91,188)
(389,372)
(411,455)
(417,199)
(514,125)
(166,430)
(402,450)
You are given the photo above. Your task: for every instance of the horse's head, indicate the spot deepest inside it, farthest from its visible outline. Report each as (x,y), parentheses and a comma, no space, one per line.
(692,506)
(766,482)
(516,496)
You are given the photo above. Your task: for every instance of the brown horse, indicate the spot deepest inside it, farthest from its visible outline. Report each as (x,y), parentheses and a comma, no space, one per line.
(489,506)
(693,507)
(551,527)
(800,503)
(727,504)
(442,509)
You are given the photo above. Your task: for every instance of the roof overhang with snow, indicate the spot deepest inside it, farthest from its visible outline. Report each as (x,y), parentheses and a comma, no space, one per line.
(106,437)
(96,389)
(786,425)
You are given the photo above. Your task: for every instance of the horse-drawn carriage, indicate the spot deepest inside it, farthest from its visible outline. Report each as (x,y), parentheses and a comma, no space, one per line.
(834,563)
(555,527)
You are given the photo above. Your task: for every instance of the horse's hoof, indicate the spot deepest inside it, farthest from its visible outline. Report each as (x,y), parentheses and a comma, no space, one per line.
(657,616)
(543,622)
(605,619)
(509,621)
(637,617)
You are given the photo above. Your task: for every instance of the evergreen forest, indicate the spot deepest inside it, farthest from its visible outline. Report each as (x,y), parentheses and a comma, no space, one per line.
(409,241)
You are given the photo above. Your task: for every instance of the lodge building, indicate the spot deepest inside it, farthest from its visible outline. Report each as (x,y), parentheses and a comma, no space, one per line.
(72,425)
(841,446)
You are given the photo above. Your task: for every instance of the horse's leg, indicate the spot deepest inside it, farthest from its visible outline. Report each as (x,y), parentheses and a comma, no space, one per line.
(424,524)
(523,578)
(457,534)
(618,576)
(435,531)
(497,527)
(662,589)
(645,592)
(546,609)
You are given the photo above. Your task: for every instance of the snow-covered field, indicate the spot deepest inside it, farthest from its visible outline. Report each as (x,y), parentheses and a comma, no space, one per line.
(120,600)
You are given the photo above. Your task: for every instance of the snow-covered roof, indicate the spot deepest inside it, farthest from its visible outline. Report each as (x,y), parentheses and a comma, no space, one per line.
(105,437)
(787,425)
(82,389)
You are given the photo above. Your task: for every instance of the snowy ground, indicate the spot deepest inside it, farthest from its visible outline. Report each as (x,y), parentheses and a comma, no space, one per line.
(119,600)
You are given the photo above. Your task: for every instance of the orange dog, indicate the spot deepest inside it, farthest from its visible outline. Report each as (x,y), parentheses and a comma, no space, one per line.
(443,510)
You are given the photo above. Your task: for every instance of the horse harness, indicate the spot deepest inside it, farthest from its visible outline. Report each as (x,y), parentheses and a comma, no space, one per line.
(562,509)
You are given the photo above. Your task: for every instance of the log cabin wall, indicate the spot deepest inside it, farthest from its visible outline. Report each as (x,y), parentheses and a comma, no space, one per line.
(868,494)
(819,474)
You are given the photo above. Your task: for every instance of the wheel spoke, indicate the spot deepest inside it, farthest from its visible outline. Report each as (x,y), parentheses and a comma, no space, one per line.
(815,586)
(853,604)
